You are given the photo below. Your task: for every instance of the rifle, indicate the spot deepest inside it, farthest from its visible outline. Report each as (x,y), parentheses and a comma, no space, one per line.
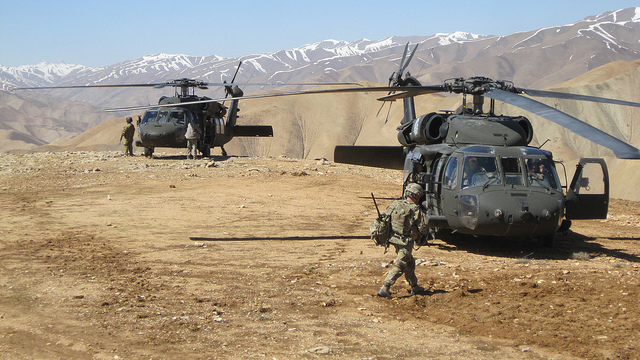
(376,204)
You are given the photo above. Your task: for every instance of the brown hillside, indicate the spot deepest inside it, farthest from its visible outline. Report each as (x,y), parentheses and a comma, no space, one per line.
(102,137)
(40,119)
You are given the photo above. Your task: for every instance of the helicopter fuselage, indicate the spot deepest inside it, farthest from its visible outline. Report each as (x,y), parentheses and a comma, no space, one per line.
(481,178)
(166,125)
(493,191)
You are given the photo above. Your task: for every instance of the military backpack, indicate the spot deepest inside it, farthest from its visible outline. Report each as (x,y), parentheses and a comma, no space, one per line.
(381,230)
(381,227)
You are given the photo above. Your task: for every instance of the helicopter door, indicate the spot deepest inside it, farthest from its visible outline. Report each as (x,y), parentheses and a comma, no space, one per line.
(588,194)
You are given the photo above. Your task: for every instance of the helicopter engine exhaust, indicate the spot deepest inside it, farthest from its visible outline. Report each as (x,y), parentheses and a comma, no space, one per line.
(526,127)
(426,129)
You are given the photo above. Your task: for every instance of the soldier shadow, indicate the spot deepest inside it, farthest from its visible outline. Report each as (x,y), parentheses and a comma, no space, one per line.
(571,245)
(437,292)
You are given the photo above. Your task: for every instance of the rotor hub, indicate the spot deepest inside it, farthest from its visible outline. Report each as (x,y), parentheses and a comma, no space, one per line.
(477,85)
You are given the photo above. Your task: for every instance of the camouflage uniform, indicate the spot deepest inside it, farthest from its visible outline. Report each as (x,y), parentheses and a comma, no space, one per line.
(408,222)
(127,133)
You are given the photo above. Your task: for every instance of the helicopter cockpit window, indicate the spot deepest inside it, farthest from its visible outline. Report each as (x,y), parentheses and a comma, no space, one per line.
(480,170)
(512,171)
(163,116)
(542,172)
(450,180)
(149,116)
(177,117)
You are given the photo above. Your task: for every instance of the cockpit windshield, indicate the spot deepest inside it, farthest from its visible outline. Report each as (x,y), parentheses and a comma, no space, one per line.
(483,170)
(542,172)
(163,116)
(479,171)
(149,116)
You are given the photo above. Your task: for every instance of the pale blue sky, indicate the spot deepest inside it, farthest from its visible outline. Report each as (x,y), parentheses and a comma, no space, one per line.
(100,33)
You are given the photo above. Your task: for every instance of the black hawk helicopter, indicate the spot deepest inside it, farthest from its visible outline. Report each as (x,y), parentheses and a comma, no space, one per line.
(165,124)
(479,175)
(478,171)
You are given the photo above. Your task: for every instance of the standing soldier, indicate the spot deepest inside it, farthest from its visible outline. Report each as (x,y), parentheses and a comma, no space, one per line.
(127,133)
(192,135)
(408,222)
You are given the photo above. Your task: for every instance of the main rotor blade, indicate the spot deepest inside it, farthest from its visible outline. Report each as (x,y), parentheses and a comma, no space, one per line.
(404,55)
(416,90)
(162,85)
(621,149)
(409,59)
(86,86)
(560,95)
(409,91)
(236,74)
(387,157)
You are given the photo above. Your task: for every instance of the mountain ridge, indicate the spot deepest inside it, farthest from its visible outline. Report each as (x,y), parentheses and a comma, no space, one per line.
(535,59)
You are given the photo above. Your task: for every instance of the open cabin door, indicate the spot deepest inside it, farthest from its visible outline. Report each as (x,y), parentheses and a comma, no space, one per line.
(588,194)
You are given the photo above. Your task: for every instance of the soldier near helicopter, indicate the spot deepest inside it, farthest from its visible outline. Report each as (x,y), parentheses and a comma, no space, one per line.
(192,135)
(127,133)
(408,223)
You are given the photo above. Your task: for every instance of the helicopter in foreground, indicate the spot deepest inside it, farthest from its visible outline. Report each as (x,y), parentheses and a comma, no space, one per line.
(478,171)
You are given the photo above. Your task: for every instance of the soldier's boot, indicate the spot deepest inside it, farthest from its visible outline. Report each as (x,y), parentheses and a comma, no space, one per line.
(416,290)
(385,291)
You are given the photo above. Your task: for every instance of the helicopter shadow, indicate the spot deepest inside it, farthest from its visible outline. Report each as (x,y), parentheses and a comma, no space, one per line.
(184,157)
(566,246)
(285,238)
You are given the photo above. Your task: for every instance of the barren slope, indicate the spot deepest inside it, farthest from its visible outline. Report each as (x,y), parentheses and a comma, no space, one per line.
(107,257)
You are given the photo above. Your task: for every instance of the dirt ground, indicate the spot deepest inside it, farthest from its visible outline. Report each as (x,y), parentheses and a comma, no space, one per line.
(108,257)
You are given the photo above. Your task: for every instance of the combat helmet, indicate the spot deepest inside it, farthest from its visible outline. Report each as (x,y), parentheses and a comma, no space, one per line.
(129,119)
(413,190)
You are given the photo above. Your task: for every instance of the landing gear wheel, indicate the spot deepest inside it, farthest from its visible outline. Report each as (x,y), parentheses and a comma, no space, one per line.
(148,152)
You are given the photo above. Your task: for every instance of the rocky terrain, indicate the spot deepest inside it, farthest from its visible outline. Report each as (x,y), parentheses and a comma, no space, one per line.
(108,257)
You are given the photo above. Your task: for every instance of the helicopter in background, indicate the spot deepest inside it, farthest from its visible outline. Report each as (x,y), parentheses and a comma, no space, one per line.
(165,124)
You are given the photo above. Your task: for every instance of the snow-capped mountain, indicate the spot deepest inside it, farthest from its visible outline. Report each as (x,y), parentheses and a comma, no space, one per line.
(278,66)
(41,74)
(535,59)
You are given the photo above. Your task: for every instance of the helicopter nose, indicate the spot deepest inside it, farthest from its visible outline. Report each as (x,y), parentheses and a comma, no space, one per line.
(526,216)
